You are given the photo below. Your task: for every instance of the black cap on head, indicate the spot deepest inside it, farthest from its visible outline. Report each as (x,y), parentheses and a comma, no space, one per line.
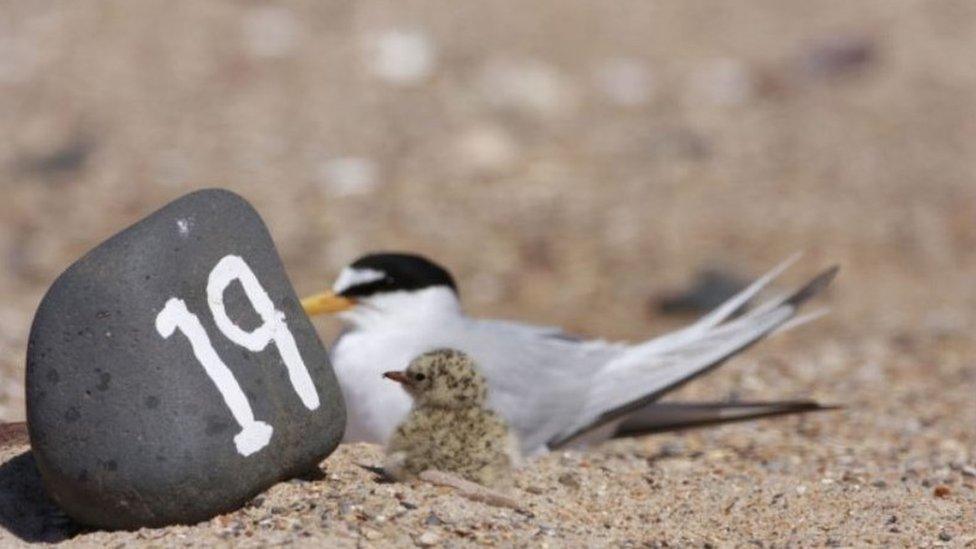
(399,272)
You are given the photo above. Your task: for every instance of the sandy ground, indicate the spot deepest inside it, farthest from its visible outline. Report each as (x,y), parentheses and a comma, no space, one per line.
(569,161)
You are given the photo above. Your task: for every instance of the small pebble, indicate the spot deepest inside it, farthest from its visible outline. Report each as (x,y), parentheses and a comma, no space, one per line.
(487,150)
(944,536)
(529,86)
(711,287)
(428,539)
(403,57)
(270,31)
(371,534)
(626,82)
(349,176)
(839,55)
(942,491)
(570,480)
(725,81)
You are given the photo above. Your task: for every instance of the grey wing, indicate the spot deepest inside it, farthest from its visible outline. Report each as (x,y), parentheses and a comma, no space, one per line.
(538,376)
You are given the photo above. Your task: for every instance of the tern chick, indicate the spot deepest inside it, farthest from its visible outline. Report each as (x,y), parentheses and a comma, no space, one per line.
(449,427)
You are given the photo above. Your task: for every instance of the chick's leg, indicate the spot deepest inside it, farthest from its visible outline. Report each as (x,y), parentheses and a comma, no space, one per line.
(395,465)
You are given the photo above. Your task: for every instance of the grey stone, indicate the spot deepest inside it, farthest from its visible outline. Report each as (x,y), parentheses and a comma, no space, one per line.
(127,426)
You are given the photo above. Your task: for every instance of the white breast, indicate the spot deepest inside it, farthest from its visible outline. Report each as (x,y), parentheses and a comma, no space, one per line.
(375,405)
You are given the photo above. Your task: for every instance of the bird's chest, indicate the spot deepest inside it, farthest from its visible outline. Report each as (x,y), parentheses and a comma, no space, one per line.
(452,440)
(376,404)
(361,357)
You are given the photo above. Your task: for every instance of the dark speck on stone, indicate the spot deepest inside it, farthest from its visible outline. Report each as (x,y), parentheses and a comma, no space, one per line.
(103,314)
(216,427)
(72,415)
(151,402)
(103,380)
(53,376)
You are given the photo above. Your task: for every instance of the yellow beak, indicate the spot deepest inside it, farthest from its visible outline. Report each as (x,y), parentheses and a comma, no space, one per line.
(326,303)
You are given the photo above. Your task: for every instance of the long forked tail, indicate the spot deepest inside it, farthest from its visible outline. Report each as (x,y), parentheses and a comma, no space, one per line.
(648,371)
(663,417)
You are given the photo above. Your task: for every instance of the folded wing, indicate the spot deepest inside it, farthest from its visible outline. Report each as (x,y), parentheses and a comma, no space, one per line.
(649,370)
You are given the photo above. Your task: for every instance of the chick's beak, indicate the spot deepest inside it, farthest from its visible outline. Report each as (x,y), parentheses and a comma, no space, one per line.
(399,377)
(326,303)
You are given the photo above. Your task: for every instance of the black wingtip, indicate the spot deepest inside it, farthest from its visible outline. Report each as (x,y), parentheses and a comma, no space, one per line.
(814,287)
(638,427)
(804,406)
(827,407)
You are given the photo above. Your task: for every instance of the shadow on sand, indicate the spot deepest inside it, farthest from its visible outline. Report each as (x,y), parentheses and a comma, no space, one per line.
(26,511)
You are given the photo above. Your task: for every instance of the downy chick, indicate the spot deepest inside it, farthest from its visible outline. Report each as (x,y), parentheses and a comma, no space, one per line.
(449,427)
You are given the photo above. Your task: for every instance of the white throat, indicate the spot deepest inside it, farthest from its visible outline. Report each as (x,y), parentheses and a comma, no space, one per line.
(403,308)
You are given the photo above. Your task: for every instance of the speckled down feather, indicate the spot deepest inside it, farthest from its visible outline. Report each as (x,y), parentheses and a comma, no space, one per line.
(449,427)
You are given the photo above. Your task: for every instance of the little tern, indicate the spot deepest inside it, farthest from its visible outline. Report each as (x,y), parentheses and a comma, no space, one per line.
(553,389)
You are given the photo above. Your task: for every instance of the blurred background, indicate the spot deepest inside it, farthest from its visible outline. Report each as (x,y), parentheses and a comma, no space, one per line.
(571,161)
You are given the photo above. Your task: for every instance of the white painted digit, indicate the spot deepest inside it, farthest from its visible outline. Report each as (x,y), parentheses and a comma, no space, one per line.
(273,328)
(254,434)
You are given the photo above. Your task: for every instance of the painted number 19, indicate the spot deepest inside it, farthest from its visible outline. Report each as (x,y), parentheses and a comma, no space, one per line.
(254,434)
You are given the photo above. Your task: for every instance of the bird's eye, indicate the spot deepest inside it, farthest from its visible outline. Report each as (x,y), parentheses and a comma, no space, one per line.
(419,377)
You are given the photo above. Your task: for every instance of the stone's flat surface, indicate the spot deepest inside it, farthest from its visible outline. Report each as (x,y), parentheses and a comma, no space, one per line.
(131,428)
